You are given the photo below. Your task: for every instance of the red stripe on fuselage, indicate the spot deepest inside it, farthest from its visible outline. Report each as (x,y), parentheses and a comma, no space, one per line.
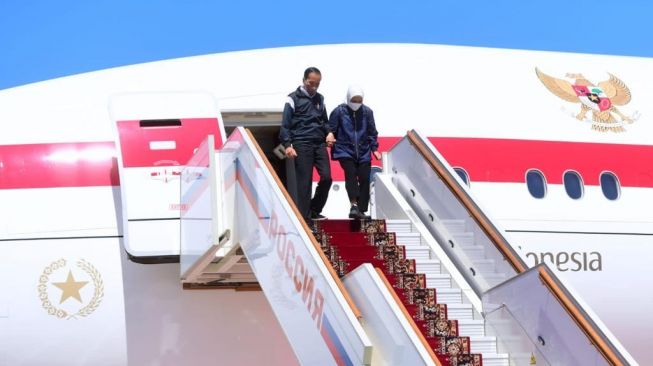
(507,160)
(504,160)
(84,164)
(485,160)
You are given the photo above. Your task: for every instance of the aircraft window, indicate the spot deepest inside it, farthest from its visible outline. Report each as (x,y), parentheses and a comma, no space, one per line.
(462,173)
(573,184)
(536,183)
(610,186)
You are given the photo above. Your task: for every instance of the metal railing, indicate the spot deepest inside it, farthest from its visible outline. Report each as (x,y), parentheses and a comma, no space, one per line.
(429,177)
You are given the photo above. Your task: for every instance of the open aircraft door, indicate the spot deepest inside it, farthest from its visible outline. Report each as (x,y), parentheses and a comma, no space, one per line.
(156,134)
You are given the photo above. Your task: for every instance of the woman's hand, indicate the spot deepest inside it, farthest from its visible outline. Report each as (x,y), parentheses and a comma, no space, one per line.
(330,139)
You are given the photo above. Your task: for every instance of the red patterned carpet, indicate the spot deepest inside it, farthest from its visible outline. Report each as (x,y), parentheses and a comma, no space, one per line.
(350,243)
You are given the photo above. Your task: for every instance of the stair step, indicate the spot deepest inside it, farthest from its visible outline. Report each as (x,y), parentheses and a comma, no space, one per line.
(494,279)
(475,252)
(484,265)
(428,266)
(409,239)
(465,239)
(497,359)
(449,295)
(460,312)
(483,344)
(521,358)
(438,281)
(398,226)
(421,252)
(454,226)
(472,328)
(464,313)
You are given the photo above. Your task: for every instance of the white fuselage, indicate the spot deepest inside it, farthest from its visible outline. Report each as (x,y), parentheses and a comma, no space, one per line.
(485,109)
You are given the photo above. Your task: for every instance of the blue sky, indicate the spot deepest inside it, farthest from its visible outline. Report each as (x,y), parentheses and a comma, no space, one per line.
(40,39)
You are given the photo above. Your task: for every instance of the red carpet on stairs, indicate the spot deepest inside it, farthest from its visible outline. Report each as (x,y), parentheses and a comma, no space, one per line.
(349,243)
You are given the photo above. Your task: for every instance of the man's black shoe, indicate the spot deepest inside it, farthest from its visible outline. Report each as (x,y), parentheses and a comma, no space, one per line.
(317,216)
(354,213)
(360,216)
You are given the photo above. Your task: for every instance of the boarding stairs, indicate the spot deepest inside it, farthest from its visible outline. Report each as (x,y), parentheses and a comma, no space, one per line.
(470,322)
(341,301)
(506,297)
(451,328)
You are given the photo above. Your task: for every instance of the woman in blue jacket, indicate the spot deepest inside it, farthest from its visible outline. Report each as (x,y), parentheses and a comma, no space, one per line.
(354,141)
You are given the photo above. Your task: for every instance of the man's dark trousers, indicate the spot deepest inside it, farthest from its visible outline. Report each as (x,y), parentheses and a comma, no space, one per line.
(309,155)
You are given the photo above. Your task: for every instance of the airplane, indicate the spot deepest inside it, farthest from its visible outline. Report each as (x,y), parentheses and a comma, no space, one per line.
(564,175)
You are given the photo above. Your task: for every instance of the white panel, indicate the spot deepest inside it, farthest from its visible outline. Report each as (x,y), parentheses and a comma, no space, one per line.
(59,212)
(153,238)
(394,340)
(163,145)
(199,204)
(86,326)
(71,102)
(155,191)
(302,292)
(162,105)
(557,212)
(82,98)
(338,204)
(167,325)
(612,274)
(532,312)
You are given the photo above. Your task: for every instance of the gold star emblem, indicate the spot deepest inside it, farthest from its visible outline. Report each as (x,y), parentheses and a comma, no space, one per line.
(70,288)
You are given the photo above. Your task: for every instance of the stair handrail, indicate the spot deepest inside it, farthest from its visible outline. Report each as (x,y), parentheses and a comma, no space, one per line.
(465,199)
(318,319)
(410,319)
(509,347)
(308,231)
(580,316)
(558,290)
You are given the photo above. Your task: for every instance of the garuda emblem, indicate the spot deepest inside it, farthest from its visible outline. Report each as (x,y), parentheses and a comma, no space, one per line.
(602,100)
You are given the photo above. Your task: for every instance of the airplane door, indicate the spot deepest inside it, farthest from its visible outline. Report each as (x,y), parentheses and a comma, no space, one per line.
(156,134)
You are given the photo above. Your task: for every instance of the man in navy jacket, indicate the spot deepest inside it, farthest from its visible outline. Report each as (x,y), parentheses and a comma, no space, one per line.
(356,141)
(304,130)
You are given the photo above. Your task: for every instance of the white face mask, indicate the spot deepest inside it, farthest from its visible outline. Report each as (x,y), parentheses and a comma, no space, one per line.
(354,106)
